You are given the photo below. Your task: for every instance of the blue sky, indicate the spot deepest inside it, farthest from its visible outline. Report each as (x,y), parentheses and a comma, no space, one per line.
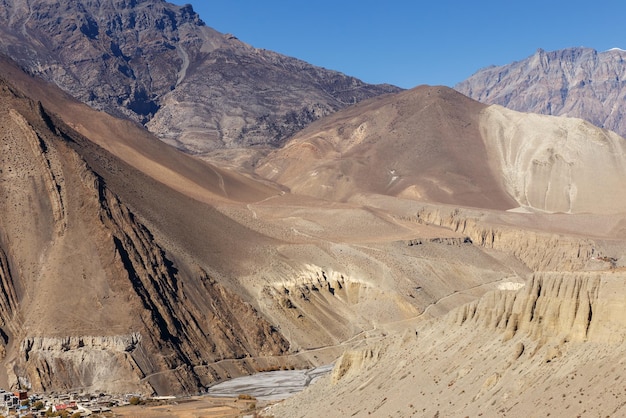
(413,42)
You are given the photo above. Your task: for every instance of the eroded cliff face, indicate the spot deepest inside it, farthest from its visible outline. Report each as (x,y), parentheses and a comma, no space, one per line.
(555,345)
(541,251)
(192,320)
(89,296)
(66,363)
(325,308)
(556,307)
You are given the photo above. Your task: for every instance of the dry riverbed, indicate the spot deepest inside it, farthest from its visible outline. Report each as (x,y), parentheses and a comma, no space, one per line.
(234,398)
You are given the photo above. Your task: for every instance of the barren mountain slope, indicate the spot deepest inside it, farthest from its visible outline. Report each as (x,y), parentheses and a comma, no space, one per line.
(556,164)
(138,148)
(433,144)
(423,144)
(158,64)
(108,296)
(574,82)
(169,274)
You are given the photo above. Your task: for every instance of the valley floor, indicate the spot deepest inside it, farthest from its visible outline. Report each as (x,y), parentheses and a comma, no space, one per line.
(194,407)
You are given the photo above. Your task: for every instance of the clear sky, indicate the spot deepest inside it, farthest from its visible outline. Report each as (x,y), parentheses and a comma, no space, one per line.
(413,42)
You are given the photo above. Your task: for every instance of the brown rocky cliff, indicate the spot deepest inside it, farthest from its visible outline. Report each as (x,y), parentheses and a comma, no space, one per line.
(77,264)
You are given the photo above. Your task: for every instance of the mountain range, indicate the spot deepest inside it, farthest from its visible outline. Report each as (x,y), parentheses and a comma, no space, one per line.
(158,64)
(450,256)
(574,82)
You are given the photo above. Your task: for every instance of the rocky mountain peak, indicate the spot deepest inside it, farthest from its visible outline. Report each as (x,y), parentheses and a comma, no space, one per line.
(116,55)
(158,64)
(575,82)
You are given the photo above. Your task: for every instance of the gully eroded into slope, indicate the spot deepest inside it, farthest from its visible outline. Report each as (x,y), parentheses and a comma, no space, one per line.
(67,238)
